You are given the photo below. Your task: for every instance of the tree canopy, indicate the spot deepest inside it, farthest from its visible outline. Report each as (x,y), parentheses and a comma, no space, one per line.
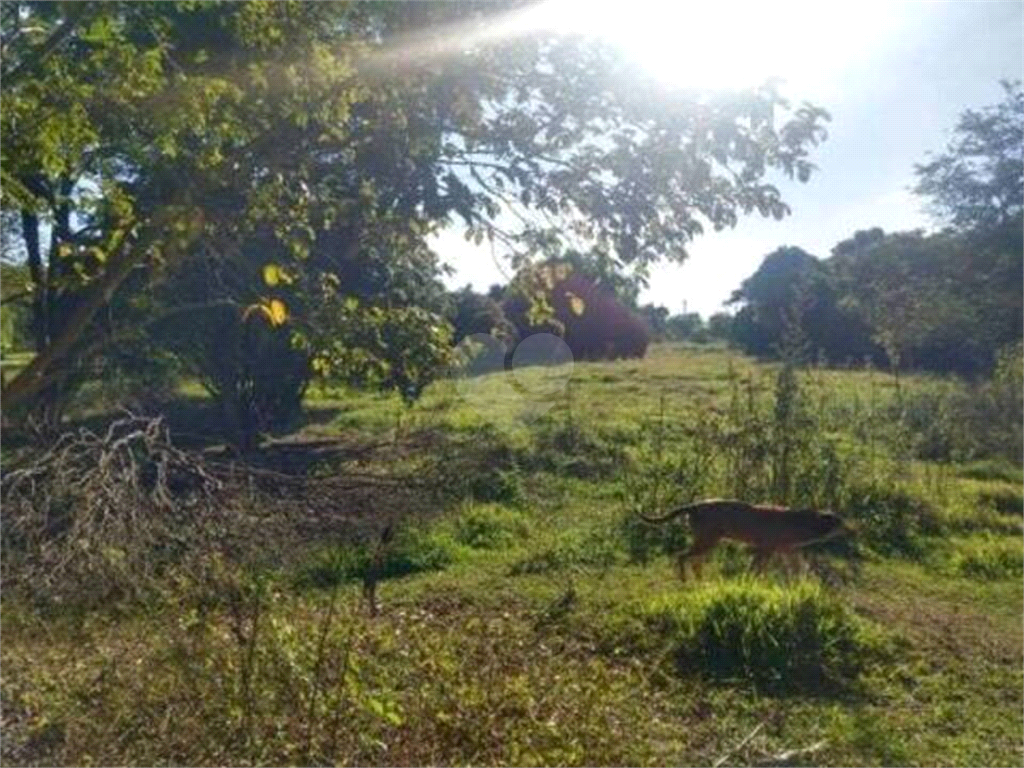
(285,150)
(946,301)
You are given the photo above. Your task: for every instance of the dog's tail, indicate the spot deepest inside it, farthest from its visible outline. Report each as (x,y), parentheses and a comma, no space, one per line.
(683,510)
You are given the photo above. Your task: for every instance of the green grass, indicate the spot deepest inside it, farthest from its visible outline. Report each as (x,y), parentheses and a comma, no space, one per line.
(536,621)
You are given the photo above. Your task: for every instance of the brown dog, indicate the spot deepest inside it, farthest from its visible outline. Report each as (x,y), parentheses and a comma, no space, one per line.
(767,528)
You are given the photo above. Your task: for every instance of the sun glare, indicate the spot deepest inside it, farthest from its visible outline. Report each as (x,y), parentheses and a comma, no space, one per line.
(724,43)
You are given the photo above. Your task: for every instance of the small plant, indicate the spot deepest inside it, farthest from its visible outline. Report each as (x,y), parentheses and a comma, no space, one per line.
(414,550)
(489,527)
(795,637)
(592,548)
(571,450)
(1006,500)
(992,469)
(891,520)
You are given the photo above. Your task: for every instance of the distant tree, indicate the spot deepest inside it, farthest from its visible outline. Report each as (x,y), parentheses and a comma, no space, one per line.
(792,292)
(592,320)
(656,318)
(479,313)
(943,302)
(978,182)
(685,326)
(719,326)
(977,187)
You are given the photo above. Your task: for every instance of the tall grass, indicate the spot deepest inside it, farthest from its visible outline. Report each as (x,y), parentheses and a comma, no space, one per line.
(796,637)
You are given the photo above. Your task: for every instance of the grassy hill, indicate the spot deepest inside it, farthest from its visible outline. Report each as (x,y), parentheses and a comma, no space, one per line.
(531,618)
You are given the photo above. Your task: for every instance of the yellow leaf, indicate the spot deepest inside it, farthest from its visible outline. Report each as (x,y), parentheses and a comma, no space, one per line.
(277,312)
(273,311)
(576,304)
(273,274)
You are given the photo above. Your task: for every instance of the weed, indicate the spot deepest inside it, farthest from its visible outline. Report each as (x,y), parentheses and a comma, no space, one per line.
(992,469)
(414,550)
(595,548)
(1006,500)
(891,520)
(489,527)
(793,637)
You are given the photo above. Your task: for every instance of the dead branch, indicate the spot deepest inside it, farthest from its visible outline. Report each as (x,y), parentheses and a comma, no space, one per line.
(724,758)
(107,514)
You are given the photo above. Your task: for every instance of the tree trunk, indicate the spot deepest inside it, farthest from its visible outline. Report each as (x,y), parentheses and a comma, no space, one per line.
(40,373)
(30,233)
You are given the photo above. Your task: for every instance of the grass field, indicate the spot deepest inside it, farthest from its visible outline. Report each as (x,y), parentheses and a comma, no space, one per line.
(534,619)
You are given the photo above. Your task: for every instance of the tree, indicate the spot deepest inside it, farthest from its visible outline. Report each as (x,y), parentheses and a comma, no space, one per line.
(939,302)
(978,182)
(685,326)
(656,318)
(793,298)
(719,326)
(478,313)
(148,133)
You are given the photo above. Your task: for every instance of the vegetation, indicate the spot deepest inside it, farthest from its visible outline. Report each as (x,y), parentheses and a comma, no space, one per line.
(289,162)
(947,301)
(317,537)
(546,623)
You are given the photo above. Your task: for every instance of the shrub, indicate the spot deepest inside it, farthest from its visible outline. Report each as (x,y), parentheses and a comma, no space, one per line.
(1006,500)
(645,541)
(784,637)
(482,466)
(569,449)
(992,469)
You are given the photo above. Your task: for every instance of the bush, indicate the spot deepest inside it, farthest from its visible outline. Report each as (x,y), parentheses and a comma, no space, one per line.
(481,465)
(645,541)
(1005,500)
(569,449)
(992,469)
(784,637)
(967,423)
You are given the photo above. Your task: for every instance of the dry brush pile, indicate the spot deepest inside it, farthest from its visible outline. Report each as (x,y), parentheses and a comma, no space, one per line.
(112,515)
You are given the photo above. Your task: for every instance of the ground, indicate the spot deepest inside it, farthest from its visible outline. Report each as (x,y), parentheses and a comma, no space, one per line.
(534,620)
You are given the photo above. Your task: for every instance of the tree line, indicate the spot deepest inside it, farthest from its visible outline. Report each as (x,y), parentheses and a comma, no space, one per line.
(947,301)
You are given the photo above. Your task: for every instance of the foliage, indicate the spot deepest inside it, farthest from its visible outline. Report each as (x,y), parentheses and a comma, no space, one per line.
(989,558)
(783,638)
(978,182)
(947,301)
(489,527)
(478,313)
(556,298)
(413,550)
(687,326)
(794,290)
(147,132)
(594,548)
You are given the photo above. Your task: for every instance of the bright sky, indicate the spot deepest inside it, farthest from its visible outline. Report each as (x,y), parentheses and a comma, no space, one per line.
(894,75)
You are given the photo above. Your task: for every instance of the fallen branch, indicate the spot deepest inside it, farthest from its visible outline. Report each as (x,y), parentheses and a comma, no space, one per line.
(722,760)
(784,758)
